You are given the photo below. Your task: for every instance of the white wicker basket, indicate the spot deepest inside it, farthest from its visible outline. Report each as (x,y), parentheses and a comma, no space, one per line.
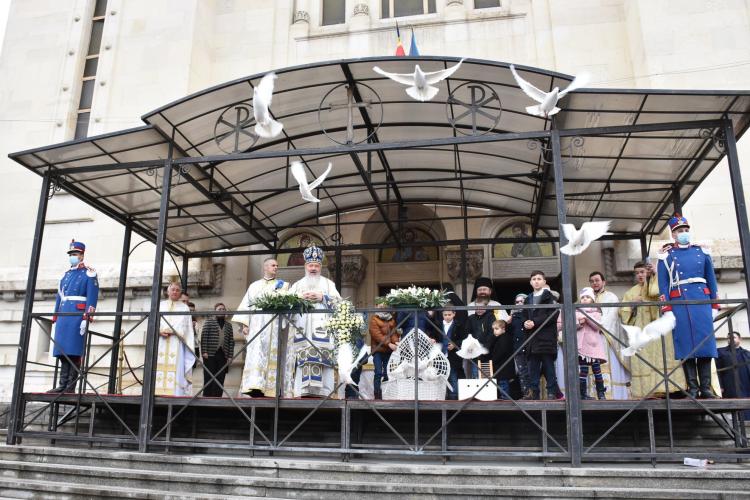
(432,366)
(429,390)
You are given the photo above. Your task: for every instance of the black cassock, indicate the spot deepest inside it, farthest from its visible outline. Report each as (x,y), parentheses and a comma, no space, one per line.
(724,364)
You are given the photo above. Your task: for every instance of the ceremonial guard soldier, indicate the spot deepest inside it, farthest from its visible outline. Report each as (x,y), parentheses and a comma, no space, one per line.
(686,272)
(77,293)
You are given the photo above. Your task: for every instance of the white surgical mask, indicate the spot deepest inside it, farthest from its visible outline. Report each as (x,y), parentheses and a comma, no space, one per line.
(683,238)
(74,260)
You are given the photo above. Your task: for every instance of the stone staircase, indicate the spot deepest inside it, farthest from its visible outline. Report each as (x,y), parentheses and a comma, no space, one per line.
(47,472)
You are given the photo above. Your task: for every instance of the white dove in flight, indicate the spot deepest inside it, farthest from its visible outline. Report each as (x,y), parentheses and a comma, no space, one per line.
(305,189)
(471,348)
(580,239)
(638,338)
(420,83)
(265,126)
(547,100)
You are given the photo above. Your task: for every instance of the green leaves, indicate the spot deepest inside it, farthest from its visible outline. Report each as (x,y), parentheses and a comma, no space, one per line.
(282,301)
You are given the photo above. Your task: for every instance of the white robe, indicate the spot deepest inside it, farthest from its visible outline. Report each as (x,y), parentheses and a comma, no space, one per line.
(314,374)
(261,355)
(619,375)
(175,358)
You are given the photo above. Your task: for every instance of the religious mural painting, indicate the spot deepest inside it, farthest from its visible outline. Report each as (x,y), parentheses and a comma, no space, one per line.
(521,229)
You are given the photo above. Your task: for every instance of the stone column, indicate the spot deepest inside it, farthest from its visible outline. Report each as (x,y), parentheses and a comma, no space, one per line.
(353,268)
(474,267)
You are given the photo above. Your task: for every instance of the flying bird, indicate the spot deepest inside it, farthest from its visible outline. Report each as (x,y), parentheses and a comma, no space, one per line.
(638,338)
(420,83)
(580,239)
(547,100)
(265,126)
(305,189)
(471,348)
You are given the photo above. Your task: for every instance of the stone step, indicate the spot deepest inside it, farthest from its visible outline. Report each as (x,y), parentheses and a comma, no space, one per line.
(103,482)
(189,471)
(54,489)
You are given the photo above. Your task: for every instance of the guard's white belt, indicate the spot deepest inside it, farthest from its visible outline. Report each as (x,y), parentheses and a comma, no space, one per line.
(691,280)
(77,297)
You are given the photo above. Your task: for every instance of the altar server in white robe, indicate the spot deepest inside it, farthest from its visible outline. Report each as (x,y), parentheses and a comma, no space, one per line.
(313,346)
(617,365)
(175,358)
(261,331)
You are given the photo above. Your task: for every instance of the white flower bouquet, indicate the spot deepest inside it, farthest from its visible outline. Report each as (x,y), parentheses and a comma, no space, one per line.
(424,298)
(345,325)
(282,300)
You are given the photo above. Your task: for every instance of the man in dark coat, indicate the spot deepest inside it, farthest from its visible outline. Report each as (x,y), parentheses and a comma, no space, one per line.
(733,366)
(480,327)
(542,347)
(217,348)
(518,334)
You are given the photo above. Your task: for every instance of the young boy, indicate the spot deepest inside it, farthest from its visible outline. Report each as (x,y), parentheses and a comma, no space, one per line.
(453,334)
(542,348)
(502,352)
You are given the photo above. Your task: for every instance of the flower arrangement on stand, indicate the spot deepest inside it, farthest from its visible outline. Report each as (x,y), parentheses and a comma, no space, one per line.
(413,296)
(346,327)
(282,300)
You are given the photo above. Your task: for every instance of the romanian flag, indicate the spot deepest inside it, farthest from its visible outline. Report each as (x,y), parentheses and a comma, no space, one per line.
(399,47)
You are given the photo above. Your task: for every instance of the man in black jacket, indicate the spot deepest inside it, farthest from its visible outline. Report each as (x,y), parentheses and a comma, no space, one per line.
(516,330)
(217,348)
(733,358)
(541,325)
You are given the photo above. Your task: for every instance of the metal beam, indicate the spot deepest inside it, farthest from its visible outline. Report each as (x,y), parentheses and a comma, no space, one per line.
(17,404)
(152,332)
(374,194)
(572,400)
(371,131)
(119,306)
(740,203)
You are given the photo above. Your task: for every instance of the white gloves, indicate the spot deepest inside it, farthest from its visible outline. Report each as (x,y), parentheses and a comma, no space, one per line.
(714,313)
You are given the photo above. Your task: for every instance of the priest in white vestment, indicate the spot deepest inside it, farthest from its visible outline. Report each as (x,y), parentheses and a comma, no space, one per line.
(261,331)
(175,358)
(313,346)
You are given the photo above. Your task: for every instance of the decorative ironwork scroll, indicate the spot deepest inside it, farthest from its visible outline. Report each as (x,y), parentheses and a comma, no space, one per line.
(572,152)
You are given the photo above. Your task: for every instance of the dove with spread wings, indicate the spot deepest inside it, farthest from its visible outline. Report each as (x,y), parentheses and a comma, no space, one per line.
(420,84)
(547,100)
(305,189)
(580,239)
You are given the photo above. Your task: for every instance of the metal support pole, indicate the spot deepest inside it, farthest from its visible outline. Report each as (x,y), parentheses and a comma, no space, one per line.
(152,333)
(464,275)
(572,399)
(184,275)
(124,260)
(677,200)
(740,205)
(16,404)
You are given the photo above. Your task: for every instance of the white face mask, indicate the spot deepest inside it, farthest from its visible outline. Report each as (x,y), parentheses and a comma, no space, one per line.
(74,260)
(683,238)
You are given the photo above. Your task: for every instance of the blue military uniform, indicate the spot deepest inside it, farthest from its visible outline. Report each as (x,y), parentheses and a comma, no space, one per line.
(686,272)
(78,293)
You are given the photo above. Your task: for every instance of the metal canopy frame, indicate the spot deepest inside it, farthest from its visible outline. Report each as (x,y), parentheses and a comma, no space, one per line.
(624,155)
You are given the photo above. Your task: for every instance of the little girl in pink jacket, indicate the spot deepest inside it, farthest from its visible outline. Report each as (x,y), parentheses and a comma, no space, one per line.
(591,344)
